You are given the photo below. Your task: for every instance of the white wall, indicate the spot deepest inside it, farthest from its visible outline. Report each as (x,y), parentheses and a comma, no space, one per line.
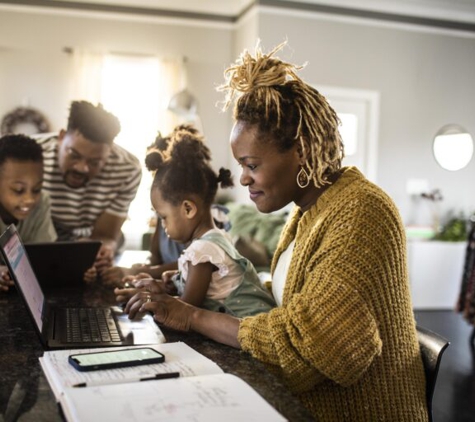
(245,38)
(33,65)
(425,80)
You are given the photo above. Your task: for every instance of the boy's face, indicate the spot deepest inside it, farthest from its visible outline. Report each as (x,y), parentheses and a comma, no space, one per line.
(20,187)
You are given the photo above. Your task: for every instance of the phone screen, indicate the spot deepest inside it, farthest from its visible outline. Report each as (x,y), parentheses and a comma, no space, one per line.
(116,358)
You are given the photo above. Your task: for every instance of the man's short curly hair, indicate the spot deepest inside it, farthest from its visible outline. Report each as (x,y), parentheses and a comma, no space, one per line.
(93,122)
(20,148)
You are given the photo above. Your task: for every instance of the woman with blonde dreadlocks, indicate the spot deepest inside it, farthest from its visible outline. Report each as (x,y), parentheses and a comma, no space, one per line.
(343,336)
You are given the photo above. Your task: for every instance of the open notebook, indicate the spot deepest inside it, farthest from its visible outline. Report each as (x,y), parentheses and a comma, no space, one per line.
(203,393)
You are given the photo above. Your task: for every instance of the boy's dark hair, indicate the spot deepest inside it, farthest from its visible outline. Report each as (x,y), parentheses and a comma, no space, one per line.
(20,148)
(181,162)
(93,122)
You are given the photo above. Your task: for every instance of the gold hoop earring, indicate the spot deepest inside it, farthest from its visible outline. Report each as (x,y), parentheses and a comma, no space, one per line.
(303,178)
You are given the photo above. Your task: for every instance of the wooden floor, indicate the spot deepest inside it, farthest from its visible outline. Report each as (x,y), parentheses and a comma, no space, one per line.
(454,397)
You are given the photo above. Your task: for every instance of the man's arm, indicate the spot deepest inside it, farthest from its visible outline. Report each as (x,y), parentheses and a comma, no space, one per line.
(107,229)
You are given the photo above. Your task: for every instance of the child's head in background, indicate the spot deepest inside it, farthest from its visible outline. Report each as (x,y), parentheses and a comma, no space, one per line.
(21,177)
(184,185)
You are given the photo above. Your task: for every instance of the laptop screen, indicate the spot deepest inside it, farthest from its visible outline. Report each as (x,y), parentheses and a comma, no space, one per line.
(24,276)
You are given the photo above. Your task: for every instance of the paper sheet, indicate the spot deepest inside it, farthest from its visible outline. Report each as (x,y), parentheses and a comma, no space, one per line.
(212,398)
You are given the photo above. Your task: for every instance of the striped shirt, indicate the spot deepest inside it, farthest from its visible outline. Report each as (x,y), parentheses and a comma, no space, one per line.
(75,211)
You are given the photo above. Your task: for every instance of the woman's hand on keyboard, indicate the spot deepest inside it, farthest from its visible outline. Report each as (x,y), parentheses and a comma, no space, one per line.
(144,292)
(170,312)
(136,290)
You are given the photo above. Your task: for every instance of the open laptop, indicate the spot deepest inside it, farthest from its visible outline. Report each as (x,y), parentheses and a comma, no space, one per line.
(61,328)
(51,261)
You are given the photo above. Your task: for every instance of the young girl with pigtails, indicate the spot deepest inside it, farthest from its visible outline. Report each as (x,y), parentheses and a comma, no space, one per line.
(211,273)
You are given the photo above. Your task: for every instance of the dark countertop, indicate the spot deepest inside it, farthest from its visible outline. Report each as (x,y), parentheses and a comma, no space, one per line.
(25,390)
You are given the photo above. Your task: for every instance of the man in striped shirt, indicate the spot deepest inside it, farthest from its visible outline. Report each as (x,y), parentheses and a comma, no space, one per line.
(91,180)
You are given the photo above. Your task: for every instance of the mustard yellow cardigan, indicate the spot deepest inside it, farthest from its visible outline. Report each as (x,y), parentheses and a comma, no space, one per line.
(344,339)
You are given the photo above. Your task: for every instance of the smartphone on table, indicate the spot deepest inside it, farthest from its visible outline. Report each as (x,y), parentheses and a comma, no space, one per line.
(115,359)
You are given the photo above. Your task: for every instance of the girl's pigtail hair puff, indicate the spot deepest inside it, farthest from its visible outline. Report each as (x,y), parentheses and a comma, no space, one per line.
(154,160)
(225,178)
(188,148)
(187,127)
(160,143)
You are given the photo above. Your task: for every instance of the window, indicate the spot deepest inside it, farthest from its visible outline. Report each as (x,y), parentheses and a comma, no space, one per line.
(137,89)
(349,132)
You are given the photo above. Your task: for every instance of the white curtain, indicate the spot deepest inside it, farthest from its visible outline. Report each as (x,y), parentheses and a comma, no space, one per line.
(173,72)
(137,89)
(91,72)
(183,105)
(86,77)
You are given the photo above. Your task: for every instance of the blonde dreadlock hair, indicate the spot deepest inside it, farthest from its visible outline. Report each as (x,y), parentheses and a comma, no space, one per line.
(268,93)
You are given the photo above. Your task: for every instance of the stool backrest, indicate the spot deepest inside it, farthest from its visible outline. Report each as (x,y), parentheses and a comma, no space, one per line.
(432,347)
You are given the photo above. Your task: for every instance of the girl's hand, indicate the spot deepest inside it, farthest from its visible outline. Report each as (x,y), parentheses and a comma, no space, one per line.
(139,268)
(167,278)
(129,281)
(151,285)
(5,280)
(112,276)
(168,275)
(133,278)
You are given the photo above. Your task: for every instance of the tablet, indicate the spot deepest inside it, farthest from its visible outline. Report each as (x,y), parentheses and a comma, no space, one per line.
(62,264)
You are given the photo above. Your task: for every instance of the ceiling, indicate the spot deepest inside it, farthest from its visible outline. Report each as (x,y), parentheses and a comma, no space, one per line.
(442,13)
(220,7)
(458,10)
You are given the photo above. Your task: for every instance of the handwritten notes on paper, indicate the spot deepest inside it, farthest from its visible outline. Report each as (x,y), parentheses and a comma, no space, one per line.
(203,398)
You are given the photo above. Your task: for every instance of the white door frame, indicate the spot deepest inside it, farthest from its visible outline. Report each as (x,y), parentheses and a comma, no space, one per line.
(371,101)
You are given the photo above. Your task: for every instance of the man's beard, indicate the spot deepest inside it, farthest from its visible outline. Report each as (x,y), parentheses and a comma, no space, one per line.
(75,177)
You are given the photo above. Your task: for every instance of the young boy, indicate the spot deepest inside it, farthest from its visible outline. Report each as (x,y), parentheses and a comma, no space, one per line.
(21,200)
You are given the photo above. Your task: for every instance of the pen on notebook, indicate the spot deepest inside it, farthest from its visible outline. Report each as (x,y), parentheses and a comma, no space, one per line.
(166,375)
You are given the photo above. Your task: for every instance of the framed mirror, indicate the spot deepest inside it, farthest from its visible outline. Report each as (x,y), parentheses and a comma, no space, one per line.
(453,147)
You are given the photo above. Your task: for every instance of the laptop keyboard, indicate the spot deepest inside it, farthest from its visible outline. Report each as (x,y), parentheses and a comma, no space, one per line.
(91,325)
